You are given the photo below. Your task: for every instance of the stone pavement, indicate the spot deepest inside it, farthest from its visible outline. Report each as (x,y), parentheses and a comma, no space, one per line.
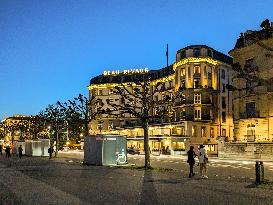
(35,180)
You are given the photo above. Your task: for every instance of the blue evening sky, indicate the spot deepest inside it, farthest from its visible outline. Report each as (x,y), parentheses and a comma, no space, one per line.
(51,48)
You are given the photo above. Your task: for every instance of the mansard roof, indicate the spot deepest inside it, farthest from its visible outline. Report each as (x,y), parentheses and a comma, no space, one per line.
(214,53)
(135,77)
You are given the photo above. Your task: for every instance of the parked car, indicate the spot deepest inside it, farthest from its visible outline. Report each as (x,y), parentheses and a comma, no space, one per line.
(65,148)
(131,150)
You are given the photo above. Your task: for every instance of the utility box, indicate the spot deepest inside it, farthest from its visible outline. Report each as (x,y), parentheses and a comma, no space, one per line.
(45,144)
(105,150)
(33,148)
(37,148)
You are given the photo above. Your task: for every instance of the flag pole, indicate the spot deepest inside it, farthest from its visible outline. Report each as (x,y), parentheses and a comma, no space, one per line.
(167,55)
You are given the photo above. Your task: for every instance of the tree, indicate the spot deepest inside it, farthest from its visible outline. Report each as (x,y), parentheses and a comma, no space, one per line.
(82,110)
(139,100)
(55,115)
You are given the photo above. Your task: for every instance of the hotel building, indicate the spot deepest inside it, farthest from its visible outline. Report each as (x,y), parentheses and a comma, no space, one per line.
(204,113)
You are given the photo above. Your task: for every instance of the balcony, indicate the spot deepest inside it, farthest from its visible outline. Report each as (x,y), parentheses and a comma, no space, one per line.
(131,124)
(245,115)
(179,102)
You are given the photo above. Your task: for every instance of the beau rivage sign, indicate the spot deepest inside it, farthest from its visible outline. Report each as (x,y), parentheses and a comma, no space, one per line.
(126,72)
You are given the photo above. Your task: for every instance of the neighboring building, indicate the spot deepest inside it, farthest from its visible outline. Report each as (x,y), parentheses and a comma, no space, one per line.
(253,82)
(204,114)
(18,127)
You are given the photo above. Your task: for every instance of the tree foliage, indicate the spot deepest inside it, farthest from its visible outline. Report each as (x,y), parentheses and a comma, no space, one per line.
(138,99)
(27,127)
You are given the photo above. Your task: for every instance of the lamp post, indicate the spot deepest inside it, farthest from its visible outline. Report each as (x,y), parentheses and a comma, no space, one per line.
(67,132)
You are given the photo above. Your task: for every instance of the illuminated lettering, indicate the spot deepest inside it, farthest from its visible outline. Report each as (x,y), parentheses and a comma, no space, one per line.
(126,72)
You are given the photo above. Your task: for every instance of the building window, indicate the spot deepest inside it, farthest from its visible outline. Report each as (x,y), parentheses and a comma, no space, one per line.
(209,53)
(197,98)
(182,54)
(196,52)
(224,103)
(194,131)
(197,114)
(223,74)
(110,125)
(111,91)
(223,116)
(203,131)
(155,111)
(171,84)
(250,109)
(250,130)
(99,91)
(110,100)
(224,132)
(249,86)
(121,101)
(250,65)
(183,113)
(212,132)
(223,88)
(196,83)
(183,72)
(189,72)
(196,69)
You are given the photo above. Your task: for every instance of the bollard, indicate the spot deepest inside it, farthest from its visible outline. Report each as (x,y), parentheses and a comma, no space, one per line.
(259,171)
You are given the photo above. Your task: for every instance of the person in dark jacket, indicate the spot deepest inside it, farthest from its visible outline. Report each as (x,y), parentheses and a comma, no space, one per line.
(191,161)
(50,151)
(20,149)
(7,151)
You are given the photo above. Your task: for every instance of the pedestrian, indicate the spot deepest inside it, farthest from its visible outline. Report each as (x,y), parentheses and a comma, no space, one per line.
(50,151)
(20,149)
(1,149)
(191,161)
(203,160)
(167,151)
(163,150)
(7,151)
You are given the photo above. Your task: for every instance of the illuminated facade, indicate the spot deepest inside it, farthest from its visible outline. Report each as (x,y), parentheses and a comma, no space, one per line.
(204,113)
(17,127)
(253,82)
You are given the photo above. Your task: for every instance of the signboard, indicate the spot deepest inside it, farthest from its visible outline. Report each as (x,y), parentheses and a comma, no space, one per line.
(126,72)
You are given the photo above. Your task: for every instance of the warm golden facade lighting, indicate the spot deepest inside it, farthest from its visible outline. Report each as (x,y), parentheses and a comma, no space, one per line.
(196,60)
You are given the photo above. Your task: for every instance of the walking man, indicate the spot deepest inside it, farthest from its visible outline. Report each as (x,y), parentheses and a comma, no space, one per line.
(203,160)
(191,161)
(20,149)
(50,151)
(7,151)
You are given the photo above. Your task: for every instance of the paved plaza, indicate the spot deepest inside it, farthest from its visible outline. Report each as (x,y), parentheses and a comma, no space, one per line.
(64,180)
